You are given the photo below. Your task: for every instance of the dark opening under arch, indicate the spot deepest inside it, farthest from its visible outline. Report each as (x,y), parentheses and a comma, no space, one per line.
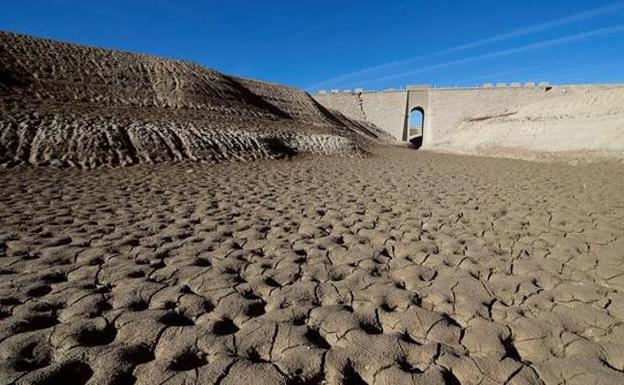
(416,125)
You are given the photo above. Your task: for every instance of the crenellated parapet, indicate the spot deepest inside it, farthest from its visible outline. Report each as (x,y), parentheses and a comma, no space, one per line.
(412,87)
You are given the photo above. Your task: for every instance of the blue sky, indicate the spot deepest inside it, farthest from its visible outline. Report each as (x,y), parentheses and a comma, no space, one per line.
(327,44)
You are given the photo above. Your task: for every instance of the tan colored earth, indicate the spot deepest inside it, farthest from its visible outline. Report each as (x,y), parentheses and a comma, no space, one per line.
(402,267)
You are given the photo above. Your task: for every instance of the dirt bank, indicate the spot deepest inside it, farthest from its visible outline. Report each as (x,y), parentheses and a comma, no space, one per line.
(70,105)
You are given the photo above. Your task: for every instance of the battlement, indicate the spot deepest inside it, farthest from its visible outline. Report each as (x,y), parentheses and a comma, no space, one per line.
(413,87)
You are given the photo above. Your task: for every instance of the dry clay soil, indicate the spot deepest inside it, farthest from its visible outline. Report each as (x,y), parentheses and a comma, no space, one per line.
(403,267)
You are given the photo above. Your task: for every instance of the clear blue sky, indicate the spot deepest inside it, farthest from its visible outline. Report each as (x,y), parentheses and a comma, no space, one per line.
(344,44)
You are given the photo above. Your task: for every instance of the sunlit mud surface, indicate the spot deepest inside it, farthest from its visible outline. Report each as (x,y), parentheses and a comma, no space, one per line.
(405,267)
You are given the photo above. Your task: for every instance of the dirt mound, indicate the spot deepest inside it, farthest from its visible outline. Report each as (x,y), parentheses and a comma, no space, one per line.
(82,106)
(581,123)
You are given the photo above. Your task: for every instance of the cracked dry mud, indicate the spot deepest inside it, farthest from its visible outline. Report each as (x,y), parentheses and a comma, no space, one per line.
(400,268)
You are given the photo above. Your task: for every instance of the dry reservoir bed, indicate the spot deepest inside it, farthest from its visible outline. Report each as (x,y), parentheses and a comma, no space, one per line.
(400,268)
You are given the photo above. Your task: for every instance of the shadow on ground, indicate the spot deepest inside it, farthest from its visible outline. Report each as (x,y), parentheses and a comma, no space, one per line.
(416,142)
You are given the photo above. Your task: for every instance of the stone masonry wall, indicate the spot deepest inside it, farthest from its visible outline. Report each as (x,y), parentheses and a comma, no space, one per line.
(347,103)
(385,110)
(476,118)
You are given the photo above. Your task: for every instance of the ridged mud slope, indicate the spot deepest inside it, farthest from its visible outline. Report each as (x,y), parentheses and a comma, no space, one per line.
(73,105)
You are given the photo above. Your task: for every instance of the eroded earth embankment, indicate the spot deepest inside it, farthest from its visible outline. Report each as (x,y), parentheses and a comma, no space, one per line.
(72,105)
(568,122)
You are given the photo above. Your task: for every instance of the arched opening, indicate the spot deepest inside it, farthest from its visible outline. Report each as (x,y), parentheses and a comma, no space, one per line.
(416,126)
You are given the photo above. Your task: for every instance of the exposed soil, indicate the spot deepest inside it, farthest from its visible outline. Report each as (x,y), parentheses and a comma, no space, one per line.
(69,105)
(404,267)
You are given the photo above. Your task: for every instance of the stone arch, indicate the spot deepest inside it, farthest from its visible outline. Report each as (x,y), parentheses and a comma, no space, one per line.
(416,121)
(417,103)
(415,126)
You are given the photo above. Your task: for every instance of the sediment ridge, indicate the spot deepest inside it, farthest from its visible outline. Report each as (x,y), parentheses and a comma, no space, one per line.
(69,105)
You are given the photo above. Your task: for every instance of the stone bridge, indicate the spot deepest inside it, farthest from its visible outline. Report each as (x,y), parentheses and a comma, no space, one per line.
(449,110)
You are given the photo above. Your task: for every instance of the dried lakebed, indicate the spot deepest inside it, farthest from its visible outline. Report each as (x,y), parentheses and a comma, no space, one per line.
(399,268)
